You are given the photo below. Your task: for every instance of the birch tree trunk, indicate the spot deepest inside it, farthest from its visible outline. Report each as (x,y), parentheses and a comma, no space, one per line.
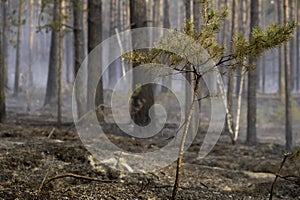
(230,84)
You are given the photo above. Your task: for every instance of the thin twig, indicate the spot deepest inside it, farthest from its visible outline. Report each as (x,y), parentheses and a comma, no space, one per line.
(277,174)
(77,176)
(42,183)
(51,133)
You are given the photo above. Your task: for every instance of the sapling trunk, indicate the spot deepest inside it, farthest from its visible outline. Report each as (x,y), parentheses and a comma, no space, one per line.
(183,139)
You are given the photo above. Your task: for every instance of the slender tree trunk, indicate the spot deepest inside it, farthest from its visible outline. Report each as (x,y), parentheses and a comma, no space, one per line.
(297,48)
(31,42)
(188,12)
(94,39)
(68,44)
(5,36)
(52,81)
(183,139)
(156,13)
(166,24)
(292,15)
(252,81)
(2,86)
(114,67)
(288,98)
(18,48)
(79,52)
(189,76)
(263,58)
(230,88)
(166,16)
(281,53)
(241,29)
(263,74)
(60,65)
(197,13)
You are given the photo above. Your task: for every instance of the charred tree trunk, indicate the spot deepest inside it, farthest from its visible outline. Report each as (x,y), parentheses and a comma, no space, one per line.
(52,81)
(94,39)
(142,98)
(79,52)
(252,81)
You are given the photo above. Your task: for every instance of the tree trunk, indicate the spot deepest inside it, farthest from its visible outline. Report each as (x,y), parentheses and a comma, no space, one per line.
(297,48)
(288,98)
(156,13)
(5,36)
(279,5)
(60,64)
(166,24)
(79,52)
(263,57)
(252,81)
(94,39)
(114,68)
(143,98)
(166,7)
(68,45)
(196,13)
(241,28)
(189,76)
(31,42)
(2,86)
(292,15)
(188,13)
(52,81)
(230,89)
(18,48)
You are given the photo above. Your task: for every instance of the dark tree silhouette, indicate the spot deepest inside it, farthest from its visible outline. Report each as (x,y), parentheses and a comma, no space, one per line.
(252,81)
(142,99)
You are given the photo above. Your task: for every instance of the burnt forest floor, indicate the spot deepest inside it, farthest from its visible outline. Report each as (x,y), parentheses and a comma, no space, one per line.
(30,154)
